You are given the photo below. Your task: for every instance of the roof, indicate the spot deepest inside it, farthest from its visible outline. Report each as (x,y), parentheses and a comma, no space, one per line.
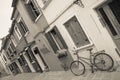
(12,27)
(13,12)
(14,2)
(4,41)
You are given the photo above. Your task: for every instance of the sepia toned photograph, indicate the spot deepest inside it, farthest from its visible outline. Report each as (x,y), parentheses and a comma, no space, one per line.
(60,40)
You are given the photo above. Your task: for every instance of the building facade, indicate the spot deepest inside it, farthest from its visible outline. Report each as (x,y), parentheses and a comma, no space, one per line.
(42,57)
(4,59)
(83,24)
(45,33)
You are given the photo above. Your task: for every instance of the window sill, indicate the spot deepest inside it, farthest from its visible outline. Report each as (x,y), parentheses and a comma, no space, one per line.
(83,47)
(20,38)
(46,4)
(38,18)
(62,51)
(26,34)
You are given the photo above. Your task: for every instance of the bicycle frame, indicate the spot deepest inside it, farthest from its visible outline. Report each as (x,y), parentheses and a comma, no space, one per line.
(84,60)
(90,63)
(94,60)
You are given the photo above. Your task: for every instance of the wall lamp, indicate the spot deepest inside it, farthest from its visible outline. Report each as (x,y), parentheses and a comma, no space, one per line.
(79,2)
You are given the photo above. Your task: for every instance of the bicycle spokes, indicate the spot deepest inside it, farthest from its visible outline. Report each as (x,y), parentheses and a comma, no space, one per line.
(77,68)
(103,61)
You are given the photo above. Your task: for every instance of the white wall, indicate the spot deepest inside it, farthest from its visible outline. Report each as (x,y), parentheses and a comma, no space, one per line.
(87,17)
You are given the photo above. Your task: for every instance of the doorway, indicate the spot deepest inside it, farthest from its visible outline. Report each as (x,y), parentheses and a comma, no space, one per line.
(110,16)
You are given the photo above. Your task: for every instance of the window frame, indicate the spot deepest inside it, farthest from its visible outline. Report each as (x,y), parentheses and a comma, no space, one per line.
(23,26)
(13,41)
(53,42)
(34,2)
(22,60)
(90,40)
(4,58)
(17,31)
(9,51)
(39,54)
(11,48)
(30,55)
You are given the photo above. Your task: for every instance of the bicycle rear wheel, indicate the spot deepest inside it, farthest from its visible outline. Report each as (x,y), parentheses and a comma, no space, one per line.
(103,61)
(77,68)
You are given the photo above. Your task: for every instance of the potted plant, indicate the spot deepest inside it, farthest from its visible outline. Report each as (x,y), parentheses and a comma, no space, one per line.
(62,53)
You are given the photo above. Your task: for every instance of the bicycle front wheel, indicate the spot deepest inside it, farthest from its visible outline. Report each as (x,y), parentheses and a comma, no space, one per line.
(103,61)
(77,68)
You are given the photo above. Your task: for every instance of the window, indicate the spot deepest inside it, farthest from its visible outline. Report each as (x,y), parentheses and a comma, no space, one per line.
(13,41)
(23,28)
(36,51)
(17,31)
(11,67)
(12,46)
(21,63)
(22,60)
(55,39)
(76,32)
(15,67)
(4,58)
(33,9)
(10,51)
(33,60)
(30,55)
(7,53)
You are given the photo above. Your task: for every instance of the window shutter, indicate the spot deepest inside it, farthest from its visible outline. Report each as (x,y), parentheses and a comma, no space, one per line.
(76,32)
(61,38)
(51,42)
(28,8)
(79,33)
(21,31)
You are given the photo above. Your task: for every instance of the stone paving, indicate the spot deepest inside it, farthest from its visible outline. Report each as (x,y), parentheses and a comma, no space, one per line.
(66,75)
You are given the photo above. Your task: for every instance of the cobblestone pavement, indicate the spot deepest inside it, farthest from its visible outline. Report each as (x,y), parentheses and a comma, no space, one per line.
(66,75)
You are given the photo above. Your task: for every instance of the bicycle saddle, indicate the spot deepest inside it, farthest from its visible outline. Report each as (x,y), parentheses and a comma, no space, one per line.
(90,49)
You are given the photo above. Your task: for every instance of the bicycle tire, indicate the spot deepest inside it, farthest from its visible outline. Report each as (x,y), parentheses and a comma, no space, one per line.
(103,62)
(77,68)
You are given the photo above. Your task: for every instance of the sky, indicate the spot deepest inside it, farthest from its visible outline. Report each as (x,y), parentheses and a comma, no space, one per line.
(5,15)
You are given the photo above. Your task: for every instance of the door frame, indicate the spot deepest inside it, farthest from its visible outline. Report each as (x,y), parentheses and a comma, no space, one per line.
(105,25)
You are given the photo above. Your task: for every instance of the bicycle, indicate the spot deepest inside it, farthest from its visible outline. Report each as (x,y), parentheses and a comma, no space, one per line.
(100,60)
